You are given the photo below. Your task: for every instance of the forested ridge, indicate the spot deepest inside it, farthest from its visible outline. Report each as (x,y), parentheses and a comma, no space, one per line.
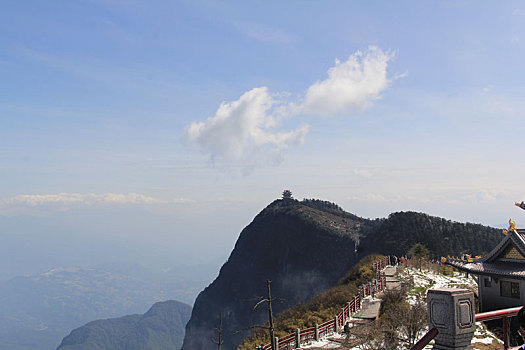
(305,248)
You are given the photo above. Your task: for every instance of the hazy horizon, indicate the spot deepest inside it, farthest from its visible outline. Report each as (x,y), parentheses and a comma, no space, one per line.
(153,132)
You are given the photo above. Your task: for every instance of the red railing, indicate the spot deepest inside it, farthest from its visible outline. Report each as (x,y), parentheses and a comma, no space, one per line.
(427,338)
(308,335)
(326,328)
(504,314)
(288,342)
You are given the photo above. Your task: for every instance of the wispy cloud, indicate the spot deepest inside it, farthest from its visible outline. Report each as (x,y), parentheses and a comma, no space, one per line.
(88,199)
(264,33)
(351,85)
(137,78)
(449,197)
(247,129)
(65,201)
(366,173)
(518,12)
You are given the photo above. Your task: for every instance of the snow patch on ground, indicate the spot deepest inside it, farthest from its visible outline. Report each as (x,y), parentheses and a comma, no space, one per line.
(326,343)
(422,281)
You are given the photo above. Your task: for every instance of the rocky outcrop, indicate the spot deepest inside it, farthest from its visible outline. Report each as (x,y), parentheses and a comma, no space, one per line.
(304,248)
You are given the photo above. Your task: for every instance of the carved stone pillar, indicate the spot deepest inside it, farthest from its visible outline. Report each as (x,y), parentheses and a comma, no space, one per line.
(451,311)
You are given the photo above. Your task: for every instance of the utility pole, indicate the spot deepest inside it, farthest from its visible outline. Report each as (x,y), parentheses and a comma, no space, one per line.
(270,314)
(269,300)
(219,342)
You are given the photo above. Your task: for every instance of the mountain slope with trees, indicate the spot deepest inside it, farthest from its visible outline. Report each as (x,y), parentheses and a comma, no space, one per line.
(441,237)
(161,327)
(305,248)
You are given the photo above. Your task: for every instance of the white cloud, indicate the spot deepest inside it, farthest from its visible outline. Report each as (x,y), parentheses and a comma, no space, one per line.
(351,85)
(241,129)
(483,196)
(26,203)
(87,199)
(246,130)
(448,197)
(363,173)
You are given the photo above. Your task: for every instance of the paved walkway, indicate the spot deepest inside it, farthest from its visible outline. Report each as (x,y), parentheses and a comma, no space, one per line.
(391,281)
(368,313)
(371,307)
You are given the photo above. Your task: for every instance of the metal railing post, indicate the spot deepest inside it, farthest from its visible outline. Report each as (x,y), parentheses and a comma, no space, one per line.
(505,332)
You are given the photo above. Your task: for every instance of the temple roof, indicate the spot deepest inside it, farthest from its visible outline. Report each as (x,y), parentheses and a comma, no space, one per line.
(512,270)
(515,239)
(507,259)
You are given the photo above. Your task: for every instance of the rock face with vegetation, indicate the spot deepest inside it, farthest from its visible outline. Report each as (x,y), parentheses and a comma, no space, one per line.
(304,248)
(162,327)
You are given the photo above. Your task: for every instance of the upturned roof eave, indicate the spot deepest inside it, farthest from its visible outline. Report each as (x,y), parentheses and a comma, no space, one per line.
(516,238)
(464,268)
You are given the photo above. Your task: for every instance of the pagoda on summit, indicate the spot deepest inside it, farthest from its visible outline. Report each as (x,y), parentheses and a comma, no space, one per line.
(287,195)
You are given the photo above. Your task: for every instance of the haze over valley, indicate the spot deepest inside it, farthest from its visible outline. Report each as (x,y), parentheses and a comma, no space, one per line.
(140,139)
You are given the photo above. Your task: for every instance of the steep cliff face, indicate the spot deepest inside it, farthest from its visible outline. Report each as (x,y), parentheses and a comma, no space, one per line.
(304,248)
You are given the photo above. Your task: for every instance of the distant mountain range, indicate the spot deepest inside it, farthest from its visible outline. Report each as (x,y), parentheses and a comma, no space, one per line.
(304,248)
(37,311)
(162,327)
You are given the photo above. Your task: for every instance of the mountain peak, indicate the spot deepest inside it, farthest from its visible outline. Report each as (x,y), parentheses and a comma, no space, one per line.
(305,247)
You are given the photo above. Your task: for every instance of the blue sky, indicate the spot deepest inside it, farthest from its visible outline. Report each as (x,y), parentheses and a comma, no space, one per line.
(131,121)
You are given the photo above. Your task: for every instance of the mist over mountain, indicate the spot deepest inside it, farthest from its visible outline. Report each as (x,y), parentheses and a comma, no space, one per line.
(303,247)
(306,247)
(37,311)
(161,327)
(90,236)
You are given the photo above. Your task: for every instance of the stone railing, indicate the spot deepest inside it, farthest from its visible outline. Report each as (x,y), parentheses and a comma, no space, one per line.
(451,319)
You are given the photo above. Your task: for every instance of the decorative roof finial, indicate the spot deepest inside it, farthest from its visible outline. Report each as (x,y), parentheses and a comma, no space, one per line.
(512,225)
(521,205)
